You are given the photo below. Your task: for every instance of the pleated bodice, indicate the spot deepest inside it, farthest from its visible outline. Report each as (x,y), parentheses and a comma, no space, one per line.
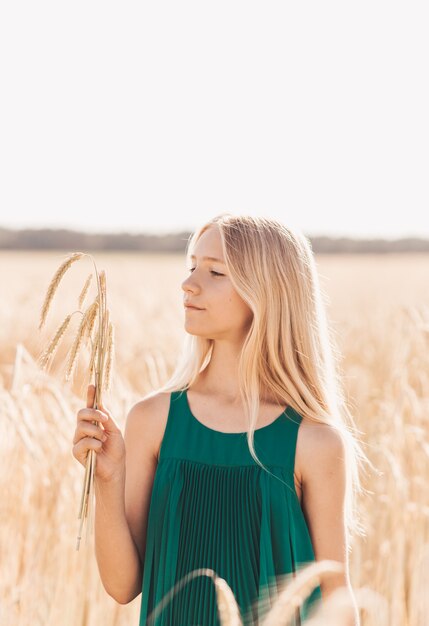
(212,506)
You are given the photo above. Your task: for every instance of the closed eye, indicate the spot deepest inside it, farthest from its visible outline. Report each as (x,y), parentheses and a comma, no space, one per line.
(191,269)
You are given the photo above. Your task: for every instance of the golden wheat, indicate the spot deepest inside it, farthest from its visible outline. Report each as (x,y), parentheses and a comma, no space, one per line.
(83,332)
(386,365)
(84,291)
(229,612)
(50,350)
(53,285)
(101,347)
(78,338)
(91,318)
(93,358)
(297,590)
(110,355)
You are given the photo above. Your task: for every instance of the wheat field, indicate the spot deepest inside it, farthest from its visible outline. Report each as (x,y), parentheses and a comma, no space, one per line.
(378,308)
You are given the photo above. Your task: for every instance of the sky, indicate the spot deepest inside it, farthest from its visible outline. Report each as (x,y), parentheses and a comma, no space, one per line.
(151,117)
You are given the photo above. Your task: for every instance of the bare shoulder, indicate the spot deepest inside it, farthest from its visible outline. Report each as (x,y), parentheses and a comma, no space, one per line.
(318,446)
(148,417)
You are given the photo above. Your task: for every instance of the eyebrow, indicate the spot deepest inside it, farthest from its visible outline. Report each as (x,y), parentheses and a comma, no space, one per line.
(208,258)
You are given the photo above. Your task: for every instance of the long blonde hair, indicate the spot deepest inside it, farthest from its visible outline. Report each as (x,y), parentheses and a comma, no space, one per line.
(288,350)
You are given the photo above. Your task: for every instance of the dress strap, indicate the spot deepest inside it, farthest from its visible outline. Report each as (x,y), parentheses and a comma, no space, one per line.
(173,426)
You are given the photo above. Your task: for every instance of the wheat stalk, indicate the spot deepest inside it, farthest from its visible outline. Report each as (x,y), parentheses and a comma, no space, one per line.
(88,499)
(92,358)
(101,349)
(84,290)
(229,611)
(110,354)
(295,592)
(53,286)
(91,318)
(79,337)
(50,350)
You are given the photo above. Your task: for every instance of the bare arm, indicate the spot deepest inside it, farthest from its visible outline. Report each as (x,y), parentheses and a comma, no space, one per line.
(323,484)
(116,553)
(122,505)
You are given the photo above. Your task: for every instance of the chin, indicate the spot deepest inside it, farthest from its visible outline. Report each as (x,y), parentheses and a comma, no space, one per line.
(197,334)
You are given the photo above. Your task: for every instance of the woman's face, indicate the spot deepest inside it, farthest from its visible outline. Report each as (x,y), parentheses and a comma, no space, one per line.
(224,313)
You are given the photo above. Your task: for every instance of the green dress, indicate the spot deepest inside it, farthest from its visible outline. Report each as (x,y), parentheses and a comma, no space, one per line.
(212,506)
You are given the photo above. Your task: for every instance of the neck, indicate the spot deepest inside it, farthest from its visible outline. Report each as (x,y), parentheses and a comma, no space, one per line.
(220,377)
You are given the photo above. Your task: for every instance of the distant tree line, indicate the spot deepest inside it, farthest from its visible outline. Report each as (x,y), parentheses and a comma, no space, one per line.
(62,239)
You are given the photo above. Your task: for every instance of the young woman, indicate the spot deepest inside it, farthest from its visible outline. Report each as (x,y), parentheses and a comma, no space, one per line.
(244,462)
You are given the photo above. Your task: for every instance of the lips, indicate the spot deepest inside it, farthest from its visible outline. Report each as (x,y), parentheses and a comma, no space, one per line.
(191,306)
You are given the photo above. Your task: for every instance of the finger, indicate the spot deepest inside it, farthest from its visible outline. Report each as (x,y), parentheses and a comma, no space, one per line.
(92,414)
(90,400)
(84,445)
(109,424)
(104,408)
(90,396)
(89,430)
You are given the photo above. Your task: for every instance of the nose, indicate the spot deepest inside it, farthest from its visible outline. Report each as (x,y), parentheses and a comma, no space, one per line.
(187,284)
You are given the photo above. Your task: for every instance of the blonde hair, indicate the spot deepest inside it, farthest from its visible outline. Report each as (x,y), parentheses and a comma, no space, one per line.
(288,350)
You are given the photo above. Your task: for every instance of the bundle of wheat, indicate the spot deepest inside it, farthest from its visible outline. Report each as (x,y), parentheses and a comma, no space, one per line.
(100,337)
